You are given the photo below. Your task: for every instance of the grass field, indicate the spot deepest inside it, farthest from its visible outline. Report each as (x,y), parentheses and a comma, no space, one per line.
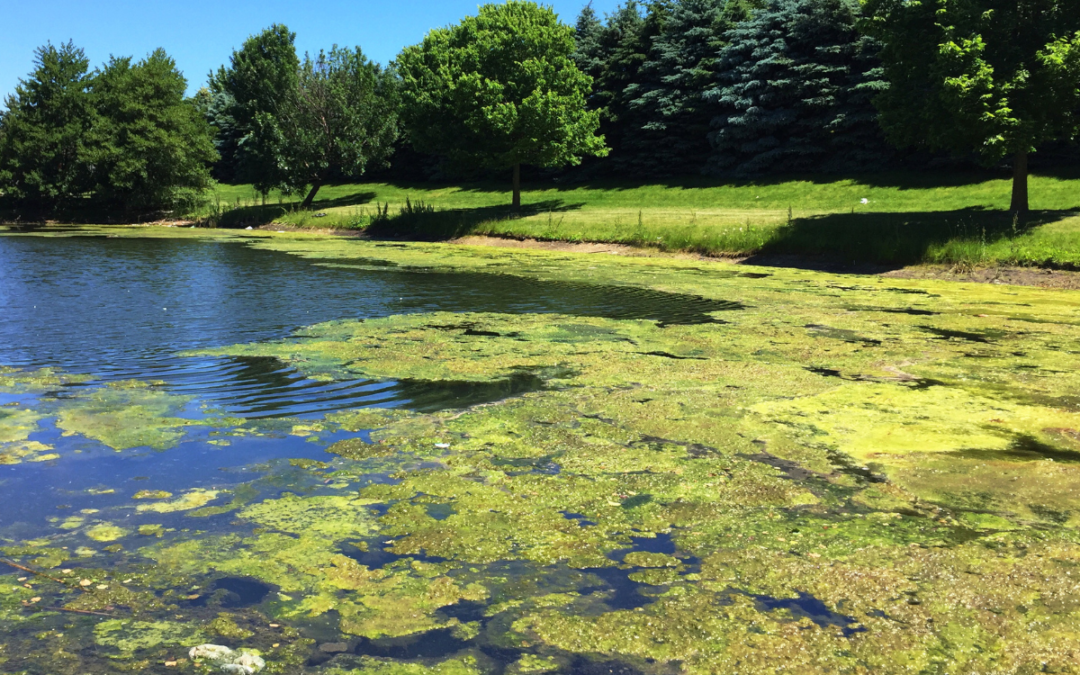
(954,218)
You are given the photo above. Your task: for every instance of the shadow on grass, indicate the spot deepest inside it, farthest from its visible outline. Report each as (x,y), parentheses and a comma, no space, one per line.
(896,239)
(256,216)
(431,225)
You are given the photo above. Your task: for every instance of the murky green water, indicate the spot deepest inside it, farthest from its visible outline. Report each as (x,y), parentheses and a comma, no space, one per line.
(357,457)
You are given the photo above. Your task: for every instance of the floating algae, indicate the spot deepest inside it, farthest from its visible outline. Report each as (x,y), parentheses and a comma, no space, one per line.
(887,495)
(126,417)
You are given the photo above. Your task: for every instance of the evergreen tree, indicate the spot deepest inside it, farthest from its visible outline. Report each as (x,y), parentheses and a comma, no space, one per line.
(612,55)
(43,131)
(218,108)
(261,75)
(681,67)
(795,91)
(148,143)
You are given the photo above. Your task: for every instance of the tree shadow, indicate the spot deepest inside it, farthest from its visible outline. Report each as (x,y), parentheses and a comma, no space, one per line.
(891,239)
(423,223)
(260,214)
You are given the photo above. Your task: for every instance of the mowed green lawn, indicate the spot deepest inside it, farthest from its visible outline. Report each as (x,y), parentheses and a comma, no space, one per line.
(953,218)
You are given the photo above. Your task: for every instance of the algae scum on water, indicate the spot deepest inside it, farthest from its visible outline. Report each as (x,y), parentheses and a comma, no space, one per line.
(806,473)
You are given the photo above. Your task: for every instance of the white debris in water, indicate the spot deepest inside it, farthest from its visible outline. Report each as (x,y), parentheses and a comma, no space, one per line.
(442,446)
(242,662)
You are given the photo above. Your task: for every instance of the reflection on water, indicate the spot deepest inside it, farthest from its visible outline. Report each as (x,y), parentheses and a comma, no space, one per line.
(119,309)
(122,309)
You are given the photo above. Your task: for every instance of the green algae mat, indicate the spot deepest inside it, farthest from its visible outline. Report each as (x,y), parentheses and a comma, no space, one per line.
(744,470)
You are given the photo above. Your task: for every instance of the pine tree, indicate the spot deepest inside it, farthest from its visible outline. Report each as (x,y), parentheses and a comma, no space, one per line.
(795,90)
(612,55)
(681,67)
(261,75)
(43,131)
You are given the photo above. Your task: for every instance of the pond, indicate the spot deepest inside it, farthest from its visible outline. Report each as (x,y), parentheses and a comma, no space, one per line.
(341,456)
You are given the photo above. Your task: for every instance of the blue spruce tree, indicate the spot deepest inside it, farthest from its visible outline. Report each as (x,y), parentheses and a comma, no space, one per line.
(668,97)
(795,91)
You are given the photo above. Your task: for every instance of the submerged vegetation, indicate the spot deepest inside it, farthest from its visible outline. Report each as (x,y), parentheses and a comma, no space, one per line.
(822,473)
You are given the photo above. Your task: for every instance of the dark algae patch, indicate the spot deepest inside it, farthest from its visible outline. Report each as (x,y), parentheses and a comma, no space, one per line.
(812,476)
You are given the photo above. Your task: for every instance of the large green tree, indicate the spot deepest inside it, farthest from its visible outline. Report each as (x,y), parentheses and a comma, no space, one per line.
(340,117)
(43,132)
(148,143)
(499,90)
(795,90)
(996,77)
(261,76)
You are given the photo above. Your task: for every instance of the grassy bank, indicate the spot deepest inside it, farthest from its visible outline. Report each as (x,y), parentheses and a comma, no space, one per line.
(887,218)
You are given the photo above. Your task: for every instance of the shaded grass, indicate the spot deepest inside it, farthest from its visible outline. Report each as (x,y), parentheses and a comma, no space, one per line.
(950,218)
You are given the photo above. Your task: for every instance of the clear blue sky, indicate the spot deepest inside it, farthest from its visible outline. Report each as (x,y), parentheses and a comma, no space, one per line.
(201,34)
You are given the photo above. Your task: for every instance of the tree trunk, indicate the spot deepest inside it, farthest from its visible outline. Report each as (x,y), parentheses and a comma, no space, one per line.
(311,195)
(1020,183)
(517,186)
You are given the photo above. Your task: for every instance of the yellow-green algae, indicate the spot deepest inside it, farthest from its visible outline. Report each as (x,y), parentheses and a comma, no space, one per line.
(106,532)
(123,417)
(904,452)
(674,430)
(193,499)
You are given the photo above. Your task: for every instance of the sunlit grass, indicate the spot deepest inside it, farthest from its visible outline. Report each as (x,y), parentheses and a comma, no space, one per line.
(890,218)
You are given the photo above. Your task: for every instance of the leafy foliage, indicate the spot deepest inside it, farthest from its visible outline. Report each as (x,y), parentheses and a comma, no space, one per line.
(123,135)
(995,77)
(499,90)
(261,76)
(340,117)
(43,132)
(796,83)
(148,143)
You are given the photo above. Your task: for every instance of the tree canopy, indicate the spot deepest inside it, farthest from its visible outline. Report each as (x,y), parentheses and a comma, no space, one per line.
(43,153)
(148,141)
(794,91)
(261,76)
(123,135)
(340,117)
(499,90)
(992,77)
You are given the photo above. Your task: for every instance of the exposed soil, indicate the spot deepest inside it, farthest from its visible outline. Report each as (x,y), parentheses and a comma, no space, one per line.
(1017,276)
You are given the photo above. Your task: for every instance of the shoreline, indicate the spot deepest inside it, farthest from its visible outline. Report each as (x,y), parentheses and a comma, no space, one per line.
(1015,275)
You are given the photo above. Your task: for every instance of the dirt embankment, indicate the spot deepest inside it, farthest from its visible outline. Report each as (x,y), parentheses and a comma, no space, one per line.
(1019,276)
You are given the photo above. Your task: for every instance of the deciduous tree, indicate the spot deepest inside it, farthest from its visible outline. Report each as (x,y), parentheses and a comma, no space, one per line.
(148,142)
(995,77)
(261,76)
(340,117)
(499,90)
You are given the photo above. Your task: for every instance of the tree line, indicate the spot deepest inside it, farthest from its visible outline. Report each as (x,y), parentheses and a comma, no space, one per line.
(654,89)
